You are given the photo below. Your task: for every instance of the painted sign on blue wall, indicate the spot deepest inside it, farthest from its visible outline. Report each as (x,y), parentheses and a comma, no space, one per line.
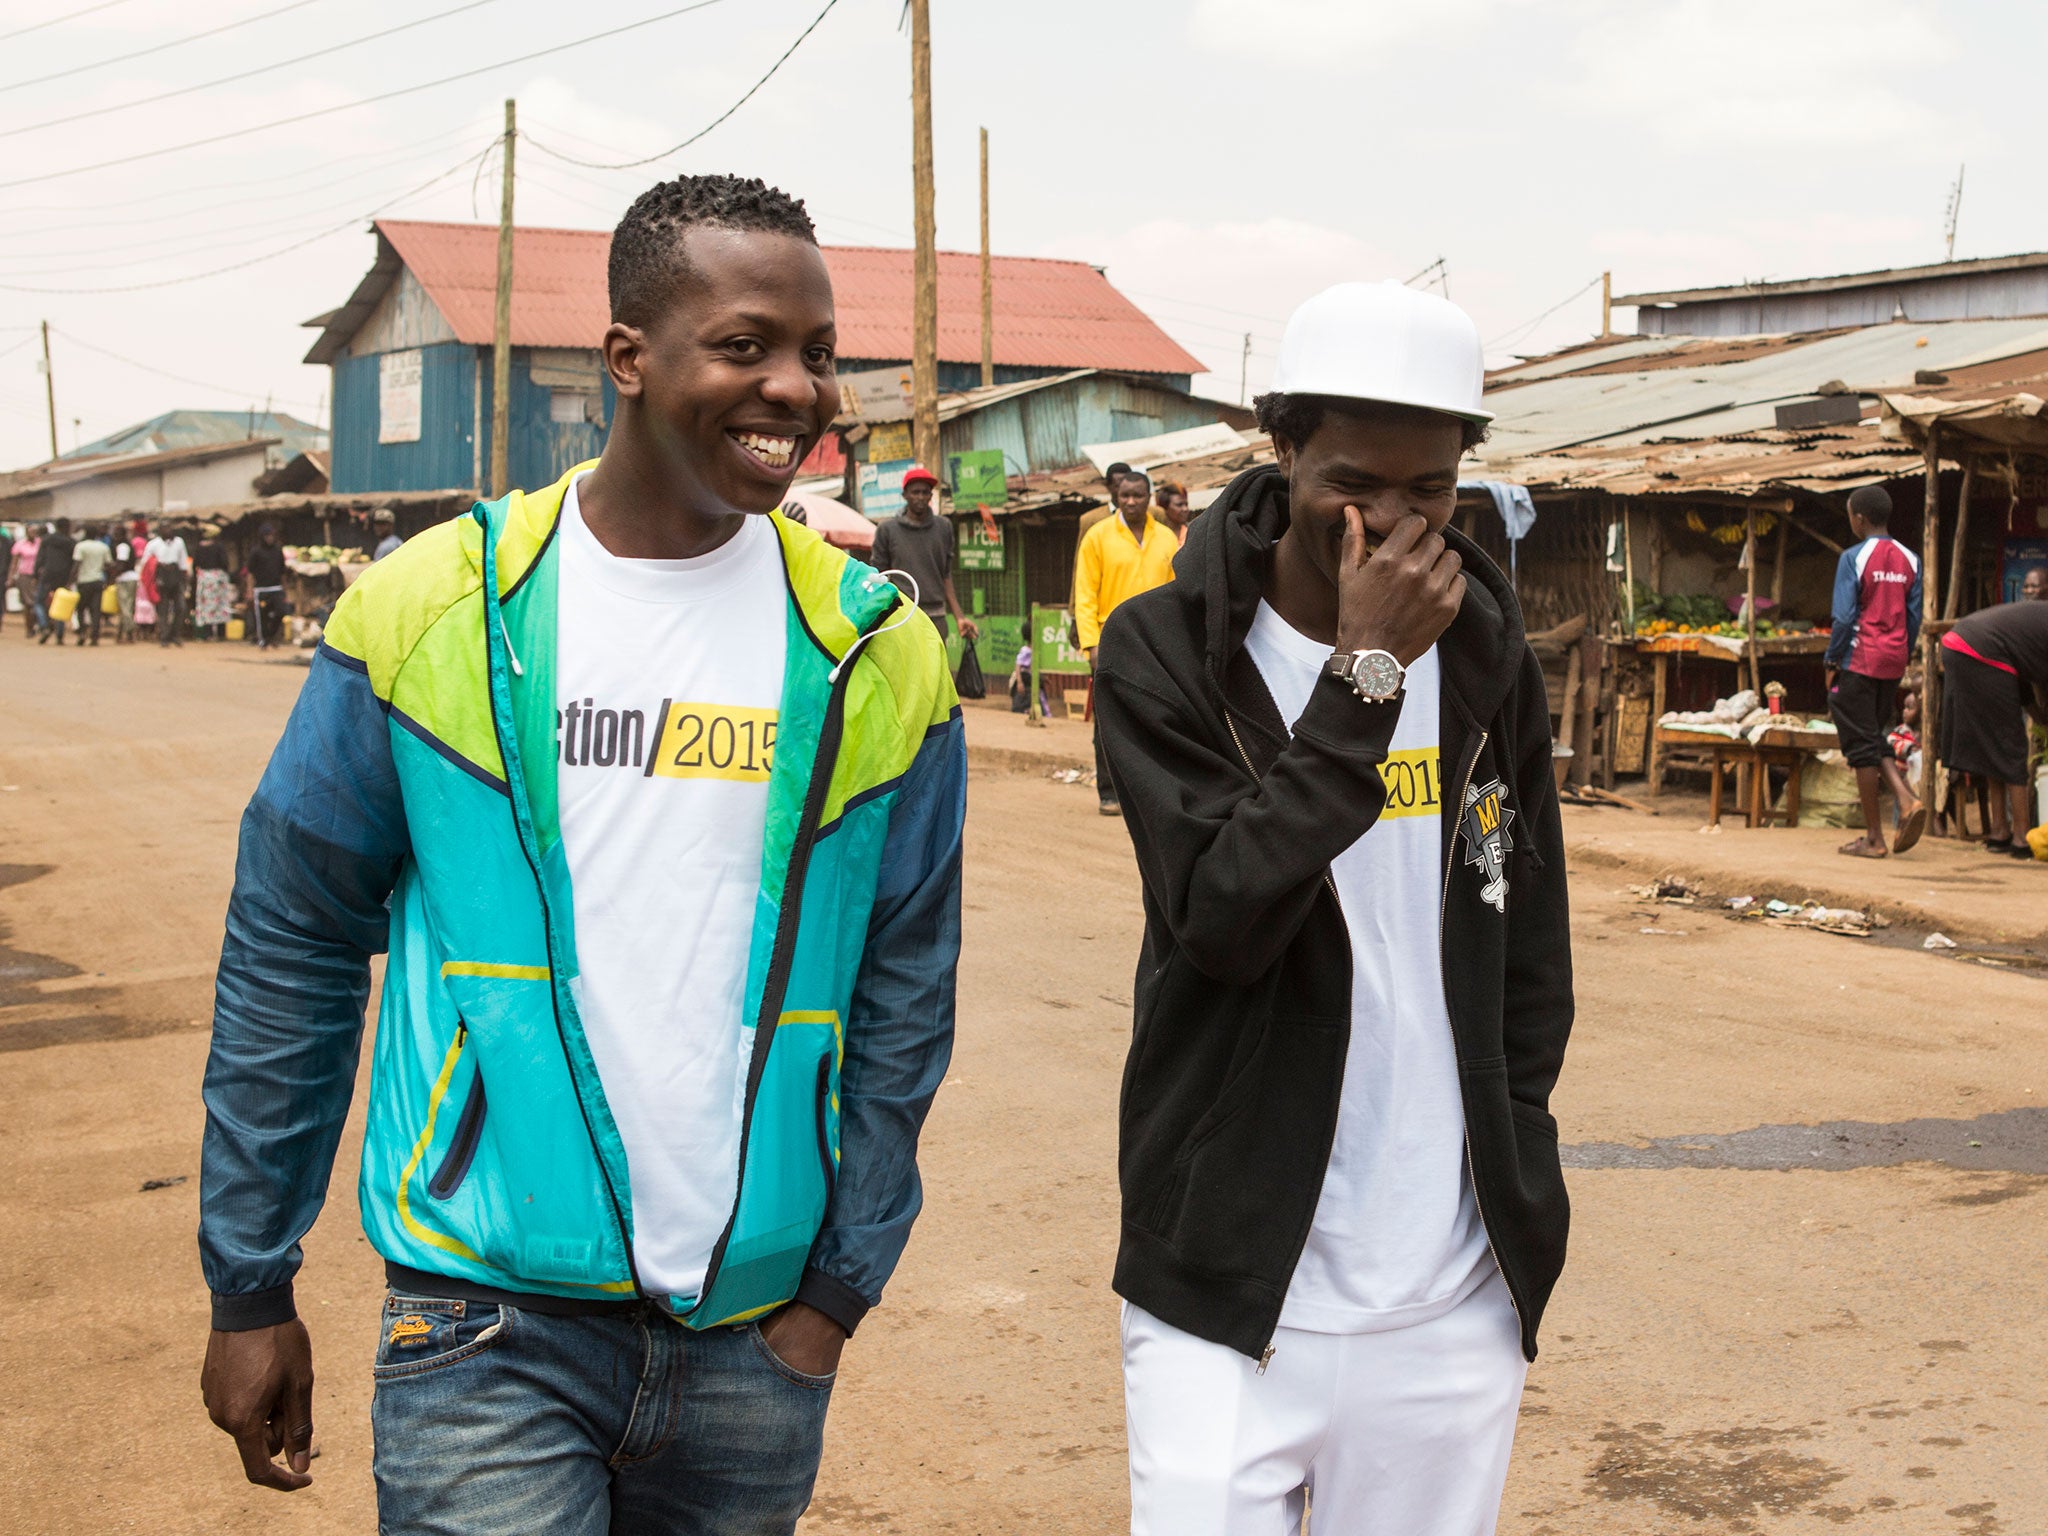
(881,488)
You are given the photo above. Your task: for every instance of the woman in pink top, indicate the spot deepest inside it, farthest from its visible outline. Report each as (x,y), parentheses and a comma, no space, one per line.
(22,576)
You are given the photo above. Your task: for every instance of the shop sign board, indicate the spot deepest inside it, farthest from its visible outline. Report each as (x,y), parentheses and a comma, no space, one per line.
(881,488)
(1052,643)
(980,549)
(978,479)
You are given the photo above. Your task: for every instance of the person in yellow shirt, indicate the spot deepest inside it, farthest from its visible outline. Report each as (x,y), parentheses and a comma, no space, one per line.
(1118,558)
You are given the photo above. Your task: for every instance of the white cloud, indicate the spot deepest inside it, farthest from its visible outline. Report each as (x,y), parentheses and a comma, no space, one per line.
(1717,73)
(1335,34)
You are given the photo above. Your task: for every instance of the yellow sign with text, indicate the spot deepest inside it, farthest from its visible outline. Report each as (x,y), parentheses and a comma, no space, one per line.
(715,741)
(1414,781)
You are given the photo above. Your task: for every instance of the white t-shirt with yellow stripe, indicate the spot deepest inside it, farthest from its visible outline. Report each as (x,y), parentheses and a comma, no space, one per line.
(1397,1237)
(668,689)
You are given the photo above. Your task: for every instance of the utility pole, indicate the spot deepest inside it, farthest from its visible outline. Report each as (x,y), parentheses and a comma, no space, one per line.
(1955,210)
(50,389)
(924,333)
(988,287)
(1244,368)
(1606,303)
(501,338)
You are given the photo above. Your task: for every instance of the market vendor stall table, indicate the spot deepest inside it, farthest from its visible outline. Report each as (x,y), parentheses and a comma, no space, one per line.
(1729,648)
(1785,747)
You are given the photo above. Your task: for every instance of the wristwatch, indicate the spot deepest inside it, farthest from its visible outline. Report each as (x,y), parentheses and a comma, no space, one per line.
(1374,676)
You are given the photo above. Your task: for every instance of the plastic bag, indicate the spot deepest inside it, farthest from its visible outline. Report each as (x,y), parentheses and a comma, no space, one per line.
(967,680)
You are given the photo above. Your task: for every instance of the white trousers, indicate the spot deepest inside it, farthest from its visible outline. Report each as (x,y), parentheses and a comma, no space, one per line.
(1401,1433)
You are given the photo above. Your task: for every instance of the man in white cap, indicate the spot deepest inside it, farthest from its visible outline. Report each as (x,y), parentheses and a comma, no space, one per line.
(1342,1206)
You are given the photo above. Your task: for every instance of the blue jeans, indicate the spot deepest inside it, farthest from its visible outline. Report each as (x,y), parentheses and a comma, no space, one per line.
(497,1421)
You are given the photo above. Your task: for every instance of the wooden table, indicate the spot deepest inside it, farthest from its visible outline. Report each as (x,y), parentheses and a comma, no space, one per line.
(1780,747)
(1661,648)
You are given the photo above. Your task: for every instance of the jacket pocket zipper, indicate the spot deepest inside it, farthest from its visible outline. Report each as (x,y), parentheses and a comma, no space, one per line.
(825,1163)
(469,1128)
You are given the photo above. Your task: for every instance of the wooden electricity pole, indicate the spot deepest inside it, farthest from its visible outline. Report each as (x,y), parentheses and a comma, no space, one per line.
(50,389)
(924,334)
(988,287)
(1606,303)
(501,336)
(1930,588)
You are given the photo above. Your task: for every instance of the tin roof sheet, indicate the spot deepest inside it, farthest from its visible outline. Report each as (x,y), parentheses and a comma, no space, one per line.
(1048,313)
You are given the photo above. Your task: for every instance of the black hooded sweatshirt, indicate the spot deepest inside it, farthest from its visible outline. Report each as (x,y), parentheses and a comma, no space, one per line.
(1243,992)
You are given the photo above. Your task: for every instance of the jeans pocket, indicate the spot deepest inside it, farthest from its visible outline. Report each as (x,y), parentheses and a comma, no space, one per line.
(784,1369)
(424,1333)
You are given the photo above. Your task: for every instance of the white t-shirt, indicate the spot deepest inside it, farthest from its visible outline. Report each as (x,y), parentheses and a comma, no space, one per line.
(663,823)
(169,551)
(1397,1237)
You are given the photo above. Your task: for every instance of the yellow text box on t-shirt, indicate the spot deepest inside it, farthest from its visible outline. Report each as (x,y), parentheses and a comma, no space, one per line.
(1414,780)
(716,741)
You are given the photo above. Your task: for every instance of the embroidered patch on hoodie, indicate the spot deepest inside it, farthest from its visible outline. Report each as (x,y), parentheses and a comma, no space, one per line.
(1487,844)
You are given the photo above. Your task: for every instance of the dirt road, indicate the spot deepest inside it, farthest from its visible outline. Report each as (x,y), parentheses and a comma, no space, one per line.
(1787,1331)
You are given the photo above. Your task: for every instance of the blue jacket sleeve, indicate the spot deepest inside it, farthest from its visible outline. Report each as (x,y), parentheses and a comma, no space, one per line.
(1848,607)
(1913,616)
(321,847)
(899,1035)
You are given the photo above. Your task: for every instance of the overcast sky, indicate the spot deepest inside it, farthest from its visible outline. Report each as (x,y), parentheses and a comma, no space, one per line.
(1223,159)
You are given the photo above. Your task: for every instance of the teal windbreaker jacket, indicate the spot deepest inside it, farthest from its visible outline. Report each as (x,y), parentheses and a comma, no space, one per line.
(411,806)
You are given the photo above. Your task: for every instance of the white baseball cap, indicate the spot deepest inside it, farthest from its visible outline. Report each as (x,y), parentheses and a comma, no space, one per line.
(1388,342)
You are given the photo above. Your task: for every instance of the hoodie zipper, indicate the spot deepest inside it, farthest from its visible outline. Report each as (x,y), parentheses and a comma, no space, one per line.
(1266,1355)
(1443,916)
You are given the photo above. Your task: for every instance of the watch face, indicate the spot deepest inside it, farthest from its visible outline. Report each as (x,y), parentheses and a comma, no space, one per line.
(1378,676)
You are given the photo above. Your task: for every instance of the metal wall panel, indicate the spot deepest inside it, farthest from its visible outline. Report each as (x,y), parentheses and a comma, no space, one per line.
(445,455)
(1974,296)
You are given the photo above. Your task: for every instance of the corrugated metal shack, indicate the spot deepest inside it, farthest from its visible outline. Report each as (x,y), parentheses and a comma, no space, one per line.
(411,349)
(1667,456)
(1989,288)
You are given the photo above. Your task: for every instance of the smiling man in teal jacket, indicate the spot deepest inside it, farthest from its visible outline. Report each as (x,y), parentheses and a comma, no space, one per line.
(655,800)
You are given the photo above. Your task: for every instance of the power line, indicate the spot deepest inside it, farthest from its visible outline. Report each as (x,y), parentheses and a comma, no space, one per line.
(104,5)
(238,183)
(407,90)
(179,378)
(19,344)
(627,165)
(413,154)
(170,282)
(1241,314)
(1527,325)
(244,74)
(176,42)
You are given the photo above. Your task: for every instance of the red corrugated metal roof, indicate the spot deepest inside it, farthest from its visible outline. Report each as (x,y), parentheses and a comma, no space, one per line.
(1048,314)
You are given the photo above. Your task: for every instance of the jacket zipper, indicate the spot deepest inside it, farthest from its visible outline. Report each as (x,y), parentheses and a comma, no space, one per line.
(1442,916)
(782,955)
(469,1128)
(1266,1355)
(522,829)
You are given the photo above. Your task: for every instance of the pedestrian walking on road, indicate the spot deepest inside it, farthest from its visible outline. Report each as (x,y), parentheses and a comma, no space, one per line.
(263,587)
(633,1194)
(917,545)
(1342,1205)
(53,573)
(89,562)
(21,575)
(213,590)
(164,561)
(1118,558)
(1877,624)
(1994,668)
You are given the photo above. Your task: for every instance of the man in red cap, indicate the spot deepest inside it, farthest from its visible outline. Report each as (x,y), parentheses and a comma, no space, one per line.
(918,547)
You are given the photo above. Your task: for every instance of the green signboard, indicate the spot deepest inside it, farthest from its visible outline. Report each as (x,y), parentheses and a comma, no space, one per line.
(979,550)
(1052,643)
(978,479)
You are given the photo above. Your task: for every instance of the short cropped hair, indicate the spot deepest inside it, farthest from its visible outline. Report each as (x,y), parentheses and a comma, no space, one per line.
(647,266)
(1296,417)
(1872,504)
